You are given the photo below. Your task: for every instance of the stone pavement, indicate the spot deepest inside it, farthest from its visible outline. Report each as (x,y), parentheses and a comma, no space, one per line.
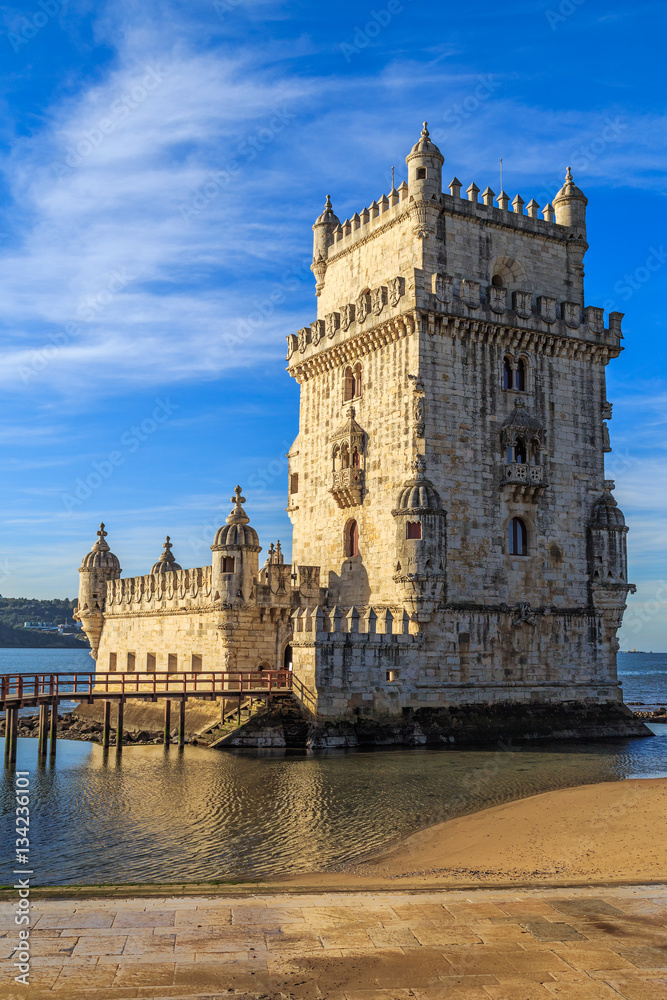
(481,944)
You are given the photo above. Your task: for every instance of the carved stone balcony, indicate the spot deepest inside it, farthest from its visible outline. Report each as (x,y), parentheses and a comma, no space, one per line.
(347,487)
(527,481)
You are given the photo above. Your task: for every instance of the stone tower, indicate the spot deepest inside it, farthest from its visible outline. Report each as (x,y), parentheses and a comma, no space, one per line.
(98,567)
(448,476)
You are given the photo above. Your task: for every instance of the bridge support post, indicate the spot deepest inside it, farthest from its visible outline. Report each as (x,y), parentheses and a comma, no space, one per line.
(106,725)
(181,722)
(11,734)
(53,734)
(119,725)
(167,722)
(238,717)
(43,730)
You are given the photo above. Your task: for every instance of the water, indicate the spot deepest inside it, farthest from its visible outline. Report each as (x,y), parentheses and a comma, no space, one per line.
(644,677)
(162,815)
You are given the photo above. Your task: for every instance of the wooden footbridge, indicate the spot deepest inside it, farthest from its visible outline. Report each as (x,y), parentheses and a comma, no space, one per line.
(46,691)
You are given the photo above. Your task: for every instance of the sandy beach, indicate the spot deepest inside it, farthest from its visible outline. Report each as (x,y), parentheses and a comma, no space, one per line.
(609,832)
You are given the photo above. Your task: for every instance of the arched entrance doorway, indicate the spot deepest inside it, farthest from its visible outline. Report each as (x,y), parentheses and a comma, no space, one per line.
(287,658)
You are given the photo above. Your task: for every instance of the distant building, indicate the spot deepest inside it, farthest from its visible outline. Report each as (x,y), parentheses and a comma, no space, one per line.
(457,547)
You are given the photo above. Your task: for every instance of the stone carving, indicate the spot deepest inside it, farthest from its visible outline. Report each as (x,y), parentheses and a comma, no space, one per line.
(418,410)
(347,316)
(396,290)
(441,286)
(594,319)
(378,299)
(363,307)
(522,303)
(571,312)
(547,308)
(470,293)
(497,299)
(317,330)
(303,336)
(524,615)
(331,324)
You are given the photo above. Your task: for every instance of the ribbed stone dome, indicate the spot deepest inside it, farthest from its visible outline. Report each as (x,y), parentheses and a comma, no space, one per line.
(100,556)
(166,563)
(419,495)
(570,190)
(607,513)
(237,532)
(425,146)
(328,216)
(521,419)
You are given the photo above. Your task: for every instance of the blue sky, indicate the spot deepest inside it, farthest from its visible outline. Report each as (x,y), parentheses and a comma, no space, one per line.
(160,169)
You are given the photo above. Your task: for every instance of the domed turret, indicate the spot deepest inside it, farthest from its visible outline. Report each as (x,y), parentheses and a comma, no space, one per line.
(425,169)
(420,544)
(608,551)
(235,550)
(570,206)
(97,567)
(323,230)
(166,563)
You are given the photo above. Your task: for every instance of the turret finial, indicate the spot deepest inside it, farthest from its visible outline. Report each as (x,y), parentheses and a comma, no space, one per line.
(425,132)
(568,175)
(102,533)
(238,515)
(327,204)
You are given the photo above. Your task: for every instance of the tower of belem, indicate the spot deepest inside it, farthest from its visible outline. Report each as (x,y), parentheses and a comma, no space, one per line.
(456,546)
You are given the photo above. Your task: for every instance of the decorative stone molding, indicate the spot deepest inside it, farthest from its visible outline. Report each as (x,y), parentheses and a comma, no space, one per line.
(441,286)
(469,291)
(331,324)
(571,313)
(547,308)
(363,307)
(497,298)
(396,288)
(317,330)
(347,315)
(522,303)
(378,299)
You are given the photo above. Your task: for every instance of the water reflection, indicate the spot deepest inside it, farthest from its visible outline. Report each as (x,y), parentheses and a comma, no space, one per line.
(161,814)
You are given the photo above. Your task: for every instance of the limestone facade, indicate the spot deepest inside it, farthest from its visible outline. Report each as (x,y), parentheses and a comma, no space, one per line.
(455,540)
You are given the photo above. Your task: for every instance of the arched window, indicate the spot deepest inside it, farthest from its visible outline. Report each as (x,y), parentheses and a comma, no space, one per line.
(357,379)
(228,564)
(336,458)
(520,375)
(348,388)
(535,452)
(351,539)
(508,374)
(287,658)
(356,459)
(520,452)
(345,456)
(518,537)
(497,281)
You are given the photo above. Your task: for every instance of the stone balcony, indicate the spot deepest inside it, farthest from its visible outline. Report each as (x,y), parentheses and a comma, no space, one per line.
(525,481)
(347,487)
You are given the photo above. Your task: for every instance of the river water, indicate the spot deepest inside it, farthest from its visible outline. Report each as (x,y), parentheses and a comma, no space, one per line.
(162,815)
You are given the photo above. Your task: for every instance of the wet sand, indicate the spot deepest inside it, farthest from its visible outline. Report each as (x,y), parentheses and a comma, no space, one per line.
(609,832)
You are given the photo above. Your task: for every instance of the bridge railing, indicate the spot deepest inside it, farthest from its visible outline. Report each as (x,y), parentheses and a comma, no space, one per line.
(29,687)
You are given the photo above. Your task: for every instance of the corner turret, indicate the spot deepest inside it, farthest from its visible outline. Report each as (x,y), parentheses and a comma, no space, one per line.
(425,169)
(421,544)
(236,551)
(323,230)
(570,206)
(97,567)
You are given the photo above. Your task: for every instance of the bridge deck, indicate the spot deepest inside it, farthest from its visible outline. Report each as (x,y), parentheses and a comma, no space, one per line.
(30,690)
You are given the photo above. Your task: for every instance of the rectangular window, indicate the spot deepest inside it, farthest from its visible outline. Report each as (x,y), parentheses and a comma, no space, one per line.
(172,663)
(228,564)
(413,529)
(294,483)
(150,663)
(131,660)
(195,666)
(392,676)
(113,657)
